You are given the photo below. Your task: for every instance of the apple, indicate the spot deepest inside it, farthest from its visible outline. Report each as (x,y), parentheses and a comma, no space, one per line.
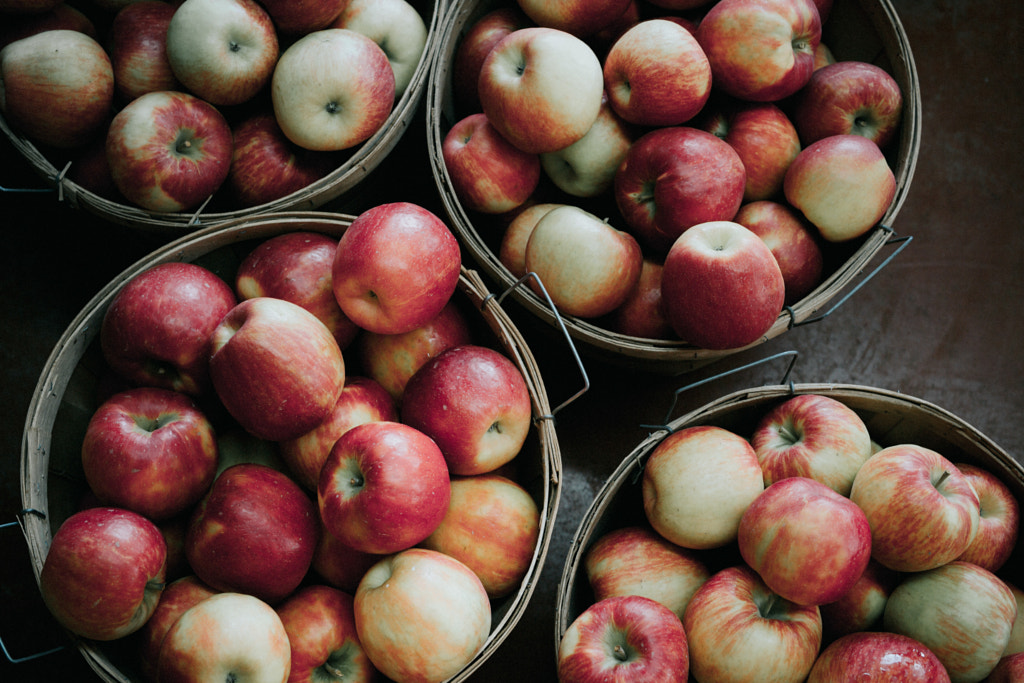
(823,56)
(697,484)
(656,74)
(512,250)
(267,166)
(541,88)
(235,446)
(473,48)
(226,637)
(408,287)
(61,16)
(168,150)
(492,526)
(349,100)
(340,565)
(602,40)
(587,167)
(960,611)
(581,18)
(738,630)
(815,436)
(396,26)
(760,50)
(842,184)
(861,607)
(628,637)
(254,532)
(808,543)
(156,330)
(276,368)
(138,49)
(849,97)
(362,400)
(1009,669)
(104,572)
(149,450)
(391,359)
(679,4)
(173,530)
(999,521)
(876,655)
(673,178)
(383,488)
(421,615)
(793,242)
(587,266)
(721,286)
(642,314)
(487,172)
(58,87)
(295,18)
(178,596)
(321,626)
(222,51)
(923,511)
(763,136)
(636,560)
(296,266)
(474,403)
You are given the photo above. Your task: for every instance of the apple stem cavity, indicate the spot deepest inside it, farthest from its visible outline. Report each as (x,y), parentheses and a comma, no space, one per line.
(151,424)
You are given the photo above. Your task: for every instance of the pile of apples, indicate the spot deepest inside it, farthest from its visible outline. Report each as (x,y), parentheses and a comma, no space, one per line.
(161,103)
(306,471)
(804,551)
(670,169)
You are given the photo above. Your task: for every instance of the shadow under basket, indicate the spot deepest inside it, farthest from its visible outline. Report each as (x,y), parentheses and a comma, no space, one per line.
(863,30)
(52,482)
(356,164)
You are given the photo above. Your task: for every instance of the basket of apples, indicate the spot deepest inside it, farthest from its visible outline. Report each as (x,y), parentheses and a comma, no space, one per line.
(170,116)
(686,178)
(802,532)
(331,463)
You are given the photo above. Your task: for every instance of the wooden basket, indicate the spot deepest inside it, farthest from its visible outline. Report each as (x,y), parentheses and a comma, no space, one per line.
(362,161)
(864,30)
(52,483)
(892,418)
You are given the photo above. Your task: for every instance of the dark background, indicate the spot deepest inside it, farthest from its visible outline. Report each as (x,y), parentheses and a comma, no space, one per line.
(942,322)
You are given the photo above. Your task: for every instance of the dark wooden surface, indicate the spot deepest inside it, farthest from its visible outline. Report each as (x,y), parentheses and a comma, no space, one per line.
(942,322)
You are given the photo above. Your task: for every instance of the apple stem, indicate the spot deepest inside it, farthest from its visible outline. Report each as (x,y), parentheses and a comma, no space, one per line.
(942,478)
(620,653)
(184,146)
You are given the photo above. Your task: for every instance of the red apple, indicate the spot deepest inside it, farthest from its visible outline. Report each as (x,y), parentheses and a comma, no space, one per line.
(923,511)
(760,50)
(792,240)
(721,286)
(149,450)
(276,368)
(138,49)
(642,314)
(842,184)
(492,526)
(321,626)
(1010,669)
(254,532)
(168,150)
(474,403)
(656,74)
(267,166)
(157,329)
(362,400)
(876,655)
(396,267)
(104,572)
(391,359)
(738,630)
(636,560)
(473,48)
(340,565)
(623,638)
(999,519)
(296,266)
(849,97)
(861,607)
(487,172)
(676,177)
(178,596)
(421,615)
(808,543)
(578,17)
(235,446)
(384,487)
(299,17)
(58,87)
